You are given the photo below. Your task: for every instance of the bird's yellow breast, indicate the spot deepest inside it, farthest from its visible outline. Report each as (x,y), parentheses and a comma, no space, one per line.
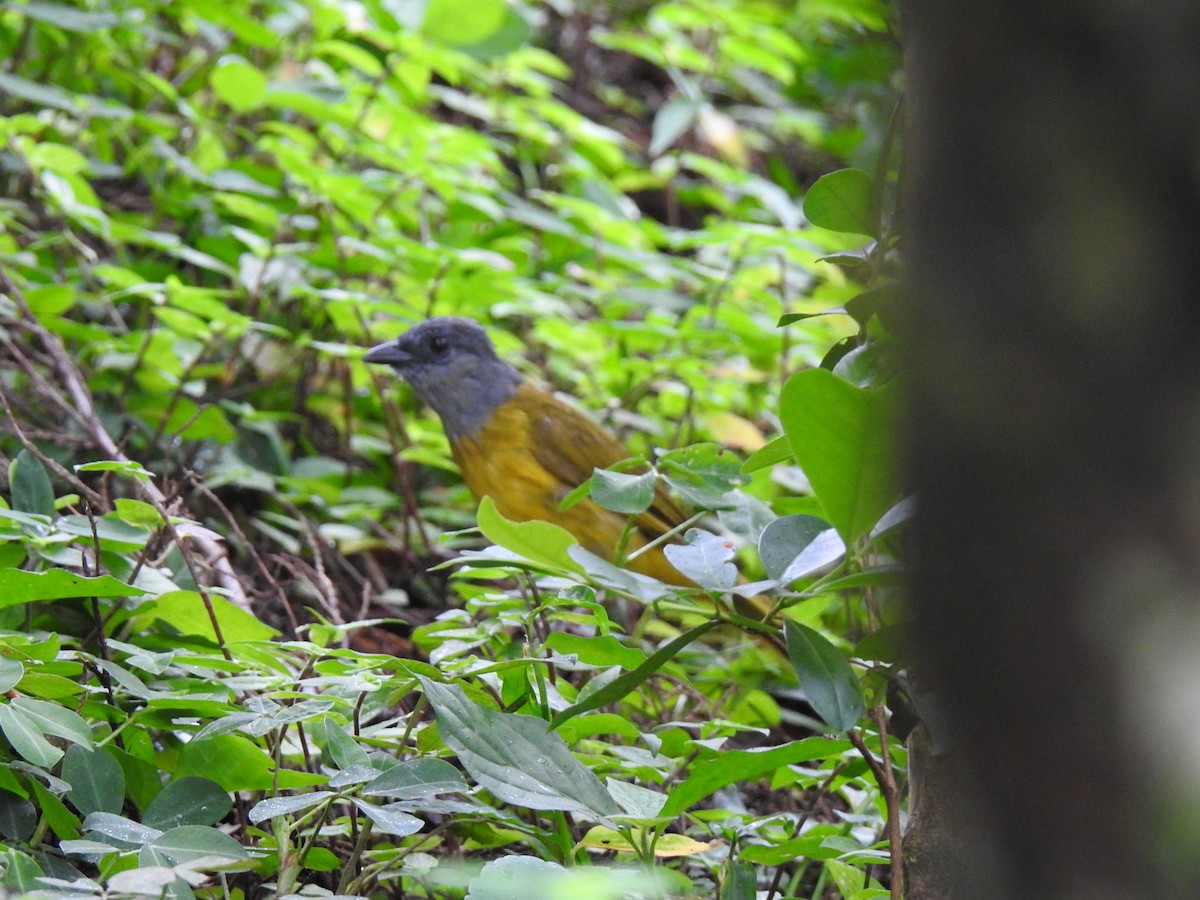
(531,453)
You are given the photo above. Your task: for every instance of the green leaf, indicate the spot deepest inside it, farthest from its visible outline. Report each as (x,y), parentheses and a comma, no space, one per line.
(112,465)
(30,483)
(11,673)
(619,687)
(841,201)
(597,650)
(238,84)
(623,493)
(231,761)
(61,820)
(274,807)
(192,842)
(514,33)
(775,451)
(26,738)
(726,768)
(705,559)
(138,514)
(784,538)
(17,586)
(56,720)
(538,542)
(96,779)
(18,818)
(188,801)
(825,677)
(516,757)
(741,881)
(826,549)
(120,831)
(50,299)
(702,473)
(390,821)
(842,436)
(463,23)
(107,530)
(68,18)
(185,612)
(341,751)
(416,778)
(21,874)
(672,119)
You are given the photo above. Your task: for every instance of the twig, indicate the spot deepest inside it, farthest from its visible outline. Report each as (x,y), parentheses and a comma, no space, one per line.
(76,387)
(886,779)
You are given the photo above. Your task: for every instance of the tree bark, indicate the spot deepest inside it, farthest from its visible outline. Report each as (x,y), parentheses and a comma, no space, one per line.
(1052,188)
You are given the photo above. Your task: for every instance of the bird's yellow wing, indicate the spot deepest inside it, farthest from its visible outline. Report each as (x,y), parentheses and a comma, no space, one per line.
(570,445)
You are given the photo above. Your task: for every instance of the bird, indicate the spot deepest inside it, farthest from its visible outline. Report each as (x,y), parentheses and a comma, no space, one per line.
(521,445)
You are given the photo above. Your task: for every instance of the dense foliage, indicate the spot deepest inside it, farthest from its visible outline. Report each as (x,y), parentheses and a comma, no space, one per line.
(248,637)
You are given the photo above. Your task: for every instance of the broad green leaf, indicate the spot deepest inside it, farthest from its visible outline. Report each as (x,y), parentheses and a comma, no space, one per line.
(516,757)
(231,761)
(775,451)
(538,542)
(191,842)
(138,514)
(702,474)
(273,807)
(238,84)
(41,94)
(825,677)
(463,23)
(56,720)
(11,673)
(842,436)
(123,832)
(17,817)
(68,18)
(107,530)
(390,821)
(514,33)
(17,586)
(112,465)
(188,801)
(705,559)
(783,539)
(672,119)
(731,766)
(637,802)
(96,779)
(597,650)
(623,493)
(185,612)
(50,300)
(841,201)
(519,878)
(340,750)
(826,549)
(30,483)
(62,821)
(22,875)
(417,778)
(740,882)
(27,738)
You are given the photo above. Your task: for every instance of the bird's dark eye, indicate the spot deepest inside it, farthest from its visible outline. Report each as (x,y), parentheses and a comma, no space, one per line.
(439,343)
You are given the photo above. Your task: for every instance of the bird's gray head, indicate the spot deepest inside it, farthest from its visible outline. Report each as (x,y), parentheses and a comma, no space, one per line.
(451,364)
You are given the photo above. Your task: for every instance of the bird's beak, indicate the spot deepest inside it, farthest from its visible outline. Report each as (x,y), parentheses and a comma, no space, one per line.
(388,354)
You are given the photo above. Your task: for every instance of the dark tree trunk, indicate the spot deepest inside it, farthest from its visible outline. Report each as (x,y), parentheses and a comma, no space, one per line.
(1052,186)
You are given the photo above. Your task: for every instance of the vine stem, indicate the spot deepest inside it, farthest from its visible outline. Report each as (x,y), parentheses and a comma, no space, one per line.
(885,777)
